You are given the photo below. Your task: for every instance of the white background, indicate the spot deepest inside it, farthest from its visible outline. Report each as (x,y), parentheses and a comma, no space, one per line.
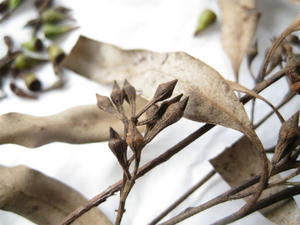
(158,25)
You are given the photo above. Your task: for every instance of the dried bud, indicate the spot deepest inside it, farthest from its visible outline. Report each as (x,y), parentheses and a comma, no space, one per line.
(13,4)
(52,31)
(165,90)
(288,135)
(34,45)
(105,104)
(134,139)
(118,146)
(56,54)
(164,105)
(173,113)
(52,16)
(130,93)
(31,82)
(23,62)
(206,19)
(117,95)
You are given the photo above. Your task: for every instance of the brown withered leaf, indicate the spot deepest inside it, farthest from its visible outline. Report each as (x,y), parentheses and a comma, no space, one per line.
(81,124)
(42,199)
(211,98)
(239,22)
(239,163)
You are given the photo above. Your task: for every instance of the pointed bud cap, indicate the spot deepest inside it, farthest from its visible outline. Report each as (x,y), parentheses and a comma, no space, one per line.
(165,90)
(117,95)
(130,92)
(105,104)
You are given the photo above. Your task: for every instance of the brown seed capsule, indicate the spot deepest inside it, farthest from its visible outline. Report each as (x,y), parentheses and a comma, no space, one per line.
(134,138)
(165,90)
(117,95)
(105,104)
(288,135)
(172,114)
(130,93)
(119,147)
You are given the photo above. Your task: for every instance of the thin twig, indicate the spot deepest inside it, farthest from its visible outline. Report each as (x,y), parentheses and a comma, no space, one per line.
(183,197)
(189,212)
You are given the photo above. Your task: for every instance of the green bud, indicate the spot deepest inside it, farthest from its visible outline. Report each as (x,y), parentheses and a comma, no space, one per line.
(34,45)
(52,16)
(206,19)
(23,62)
(56,54)
(13,4)
(31,82)
(52,31)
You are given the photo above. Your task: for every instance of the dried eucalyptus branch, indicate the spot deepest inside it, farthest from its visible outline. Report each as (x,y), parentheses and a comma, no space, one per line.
(98,199)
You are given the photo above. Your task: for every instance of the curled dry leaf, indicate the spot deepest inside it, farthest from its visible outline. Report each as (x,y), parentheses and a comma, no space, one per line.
(239,163)
(294,26)
(238,87)
(82,124)
(41,199)
(211,98)
(239,21)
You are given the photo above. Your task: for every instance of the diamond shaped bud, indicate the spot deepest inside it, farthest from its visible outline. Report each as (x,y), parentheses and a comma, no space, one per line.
(118,147)
(105,104)
(134,139)
(165,90)
(172,114)
(117,95)
(130,92)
